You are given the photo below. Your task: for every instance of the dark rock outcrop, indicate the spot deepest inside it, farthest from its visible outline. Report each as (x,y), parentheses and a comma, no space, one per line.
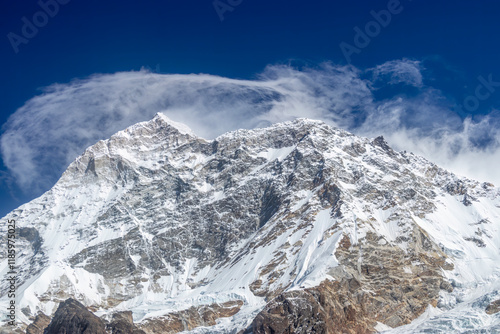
(31,234)
(382,143)
(72,317)
(494,307)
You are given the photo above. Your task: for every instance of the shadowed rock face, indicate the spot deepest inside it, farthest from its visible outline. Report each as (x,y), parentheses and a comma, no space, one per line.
(32,235)
(72,317)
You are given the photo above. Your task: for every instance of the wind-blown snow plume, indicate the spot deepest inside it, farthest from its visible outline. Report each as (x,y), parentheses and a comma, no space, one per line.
(52,129)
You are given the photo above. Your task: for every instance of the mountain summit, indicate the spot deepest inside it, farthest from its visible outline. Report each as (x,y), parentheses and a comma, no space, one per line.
(294,228)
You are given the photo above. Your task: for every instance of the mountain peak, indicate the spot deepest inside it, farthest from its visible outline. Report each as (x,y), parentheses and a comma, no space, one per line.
(181,127)
(164,224)
(160,123)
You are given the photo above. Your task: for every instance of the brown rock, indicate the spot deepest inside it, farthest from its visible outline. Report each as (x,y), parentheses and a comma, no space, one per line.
(190,318)
(39,324)
(375,282)
(122,323)
(319,310)
(494,307)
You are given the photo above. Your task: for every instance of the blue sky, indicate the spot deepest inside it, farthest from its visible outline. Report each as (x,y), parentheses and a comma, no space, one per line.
(435,60)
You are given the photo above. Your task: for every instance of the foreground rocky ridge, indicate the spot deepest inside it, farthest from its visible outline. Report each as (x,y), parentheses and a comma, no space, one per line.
(225,235)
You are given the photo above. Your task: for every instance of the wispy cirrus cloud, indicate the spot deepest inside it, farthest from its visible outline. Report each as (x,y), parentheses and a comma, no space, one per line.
(52,129)
(404,71)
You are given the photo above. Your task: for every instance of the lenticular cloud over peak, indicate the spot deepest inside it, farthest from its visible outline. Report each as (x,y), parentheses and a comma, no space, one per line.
(52,129)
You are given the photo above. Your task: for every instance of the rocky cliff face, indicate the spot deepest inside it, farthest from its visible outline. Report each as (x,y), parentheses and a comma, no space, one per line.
(365,293)
(123,323)
(72,317)
(39,324)
(294,228)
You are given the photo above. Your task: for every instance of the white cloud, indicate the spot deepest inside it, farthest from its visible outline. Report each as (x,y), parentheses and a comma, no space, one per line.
(52,129)
(400,71)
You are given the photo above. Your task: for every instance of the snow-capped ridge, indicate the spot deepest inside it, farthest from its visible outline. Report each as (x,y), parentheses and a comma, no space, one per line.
(181,127)
(156,219)
(160,123)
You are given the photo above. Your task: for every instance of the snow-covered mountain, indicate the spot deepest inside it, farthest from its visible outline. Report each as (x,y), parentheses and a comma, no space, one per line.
(298,226)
